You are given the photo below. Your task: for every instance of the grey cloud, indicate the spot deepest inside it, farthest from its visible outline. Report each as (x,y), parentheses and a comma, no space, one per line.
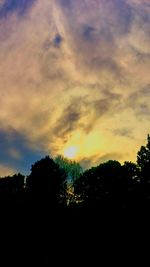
(107,64)
(106,104)
(119,23)
(87,162)
(101,106)
(95,160)
(57,40)
(97,32)
(110,156)
(124,132)
(140,95)
(139,102)
(80,108)
(141,56)
(89,32)
(65,3)
(70,118)
(124,14)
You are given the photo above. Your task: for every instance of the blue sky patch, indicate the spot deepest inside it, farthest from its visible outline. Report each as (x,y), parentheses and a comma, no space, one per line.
(14,151)
(10,6)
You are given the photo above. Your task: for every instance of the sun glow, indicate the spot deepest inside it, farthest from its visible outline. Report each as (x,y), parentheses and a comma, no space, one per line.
(71,152)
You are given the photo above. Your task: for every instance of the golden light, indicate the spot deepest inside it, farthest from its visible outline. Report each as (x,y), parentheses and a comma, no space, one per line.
(71,152)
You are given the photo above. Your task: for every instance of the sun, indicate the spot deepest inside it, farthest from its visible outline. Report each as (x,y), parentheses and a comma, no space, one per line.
(71,152)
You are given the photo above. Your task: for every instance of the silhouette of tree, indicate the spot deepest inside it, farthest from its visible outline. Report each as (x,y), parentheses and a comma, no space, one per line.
(130,171)
(11,190)
(143,162)
(47,183)
(100,185)
(130,184)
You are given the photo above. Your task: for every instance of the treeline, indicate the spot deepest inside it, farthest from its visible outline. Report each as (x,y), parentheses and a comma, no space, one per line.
(62,184)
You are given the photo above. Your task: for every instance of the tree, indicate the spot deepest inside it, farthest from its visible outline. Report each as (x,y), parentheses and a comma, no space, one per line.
(72,168)
(130,171)
(130,184)
(47,183)
(99,185)
(12,190)
(143,162)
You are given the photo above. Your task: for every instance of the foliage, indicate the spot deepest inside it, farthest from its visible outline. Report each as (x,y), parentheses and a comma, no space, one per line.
(143,161)
(47,182)
(72,168)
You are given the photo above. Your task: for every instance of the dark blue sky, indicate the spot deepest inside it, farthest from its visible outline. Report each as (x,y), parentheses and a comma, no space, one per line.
(15,151)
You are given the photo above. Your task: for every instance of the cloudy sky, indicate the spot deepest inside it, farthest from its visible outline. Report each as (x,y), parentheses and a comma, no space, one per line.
(73,74)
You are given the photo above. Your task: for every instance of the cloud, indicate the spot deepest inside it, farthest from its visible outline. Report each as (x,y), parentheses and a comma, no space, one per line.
(73,72)
(87,162)
(124,132)
(110,156)
(69,119)
(96,159)
(2,3)
(139,102)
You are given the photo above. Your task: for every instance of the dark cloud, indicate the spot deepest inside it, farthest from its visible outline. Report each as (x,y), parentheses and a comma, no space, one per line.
(107,104)
(70,118)
(142,11)
(65,3)
(143,92)
(119,14)
(140,56)
(107,64)
(94,37)
(110,156)
(104,63)
(124,132)
(57,40)
(87,162)
(88,110)
(139,102)
(88,32)
(101,106)
(95,160)
(124,15)
(10,6)
(143,109)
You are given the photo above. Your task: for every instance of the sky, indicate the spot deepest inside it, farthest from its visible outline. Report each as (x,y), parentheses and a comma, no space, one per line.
(74,76)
